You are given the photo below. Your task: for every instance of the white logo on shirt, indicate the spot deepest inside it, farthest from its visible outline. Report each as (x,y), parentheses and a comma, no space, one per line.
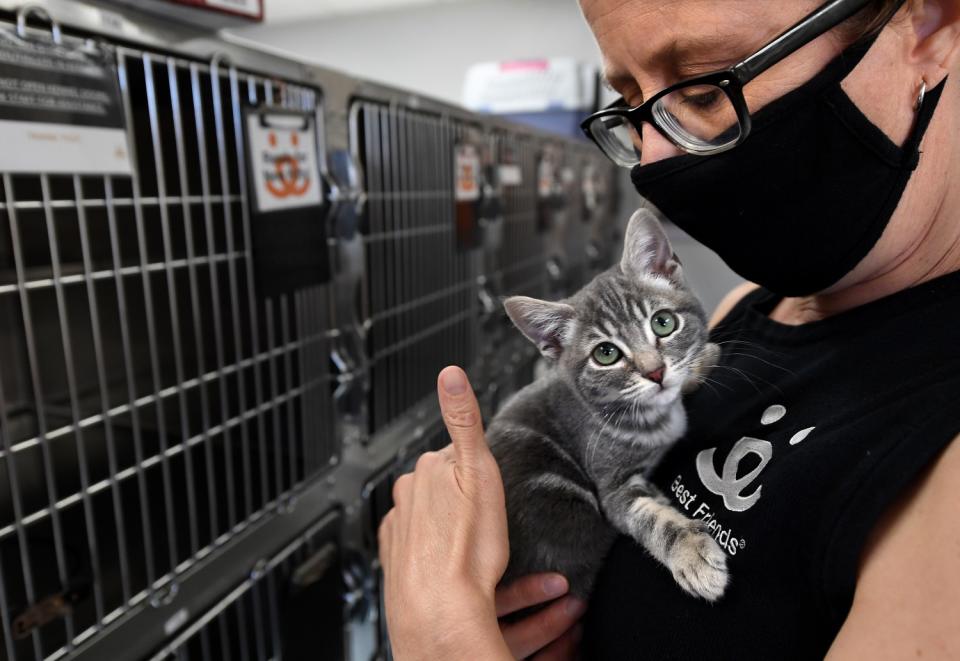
(726,484)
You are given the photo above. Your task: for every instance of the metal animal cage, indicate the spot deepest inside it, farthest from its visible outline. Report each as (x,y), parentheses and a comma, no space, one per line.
(520,267)
(420,288)
(152,406)
(190,455)
(290,602)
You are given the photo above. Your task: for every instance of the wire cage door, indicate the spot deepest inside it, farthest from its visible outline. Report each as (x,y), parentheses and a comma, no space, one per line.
(152,405)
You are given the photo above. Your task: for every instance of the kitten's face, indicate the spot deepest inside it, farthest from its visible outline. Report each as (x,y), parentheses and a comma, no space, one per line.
(633,342)
(633,337)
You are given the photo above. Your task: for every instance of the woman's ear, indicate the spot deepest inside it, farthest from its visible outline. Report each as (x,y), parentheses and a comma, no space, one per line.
(936,30)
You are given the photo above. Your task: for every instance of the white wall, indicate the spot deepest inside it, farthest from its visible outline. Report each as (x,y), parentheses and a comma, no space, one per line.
(429,48)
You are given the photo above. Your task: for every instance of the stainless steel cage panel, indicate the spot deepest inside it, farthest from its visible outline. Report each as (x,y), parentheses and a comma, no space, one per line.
(522,260)
(536,258)
(594,195)
(573,231)
(601,202)
(290,606)
(515,260)
(151,406)
(421,291)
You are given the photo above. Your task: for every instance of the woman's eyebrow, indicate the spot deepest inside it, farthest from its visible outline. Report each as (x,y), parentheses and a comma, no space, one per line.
(686,56)
(698,52)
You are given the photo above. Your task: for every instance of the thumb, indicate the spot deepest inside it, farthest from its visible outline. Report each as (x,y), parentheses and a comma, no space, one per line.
(461,415)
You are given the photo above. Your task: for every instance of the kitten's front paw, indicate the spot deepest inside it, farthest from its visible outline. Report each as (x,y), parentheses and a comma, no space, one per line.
(699,565)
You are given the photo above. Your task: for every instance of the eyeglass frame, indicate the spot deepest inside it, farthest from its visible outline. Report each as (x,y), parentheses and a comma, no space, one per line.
(731,81)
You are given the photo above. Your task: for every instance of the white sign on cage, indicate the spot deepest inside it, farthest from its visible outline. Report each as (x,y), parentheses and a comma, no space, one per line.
(283,160)
(60,109)
(467,173)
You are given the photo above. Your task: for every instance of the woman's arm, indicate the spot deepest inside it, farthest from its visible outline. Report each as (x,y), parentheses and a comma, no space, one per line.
(907,600)
(444,548)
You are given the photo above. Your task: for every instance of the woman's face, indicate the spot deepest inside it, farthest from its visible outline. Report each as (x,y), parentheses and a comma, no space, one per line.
(650,44)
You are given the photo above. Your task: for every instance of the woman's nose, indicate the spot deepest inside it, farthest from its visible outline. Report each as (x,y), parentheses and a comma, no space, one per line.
(656,147)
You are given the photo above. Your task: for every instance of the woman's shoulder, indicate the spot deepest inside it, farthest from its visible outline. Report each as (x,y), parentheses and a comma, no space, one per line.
(730,301)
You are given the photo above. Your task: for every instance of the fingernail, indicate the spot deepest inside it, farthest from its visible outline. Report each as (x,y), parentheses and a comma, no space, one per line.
(554,586)
(454,381)
(575,607)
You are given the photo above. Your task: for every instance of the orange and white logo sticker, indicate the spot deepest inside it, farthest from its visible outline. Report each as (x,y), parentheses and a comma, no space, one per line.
(284,161)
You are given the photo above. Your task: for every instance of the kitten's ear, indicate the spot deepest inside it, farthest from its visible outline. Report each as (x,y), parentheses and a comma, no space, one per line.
(547,325)
(646,248)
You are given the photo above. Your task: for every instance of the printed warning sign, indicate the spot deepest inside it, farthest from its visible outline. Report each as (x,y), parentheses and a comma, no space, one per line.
(60,108)
(283,160)
(467,174)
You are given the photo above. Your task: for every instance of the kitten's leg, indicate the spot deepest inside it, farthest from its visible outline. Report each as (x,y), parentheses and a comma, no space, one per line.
(684,546)
(555,524)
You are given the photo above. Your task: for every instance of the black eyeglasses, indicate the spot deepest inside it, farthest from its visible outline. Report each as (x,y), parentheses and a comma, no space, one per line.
(707,114)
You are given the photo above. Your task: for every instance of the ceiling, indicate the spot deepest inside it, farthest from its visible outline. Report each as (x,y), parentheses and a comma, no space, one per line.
(285,11)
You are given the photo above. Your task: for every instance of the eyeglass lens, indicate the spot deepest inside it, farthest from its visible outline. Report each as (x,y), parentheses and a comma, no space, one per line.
(700,119)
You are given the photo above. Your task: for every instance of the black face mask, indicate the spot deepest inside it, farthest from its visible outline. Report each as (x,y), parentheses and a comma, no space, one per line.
(806,196)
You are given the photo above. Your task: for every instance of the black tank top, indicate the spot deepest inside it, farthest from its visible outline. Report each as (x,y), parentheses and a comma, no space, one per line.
(805,436)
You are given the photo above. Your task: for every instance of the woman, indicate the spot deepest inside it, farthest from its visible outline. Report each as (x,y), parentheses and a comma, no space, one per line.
(824,458)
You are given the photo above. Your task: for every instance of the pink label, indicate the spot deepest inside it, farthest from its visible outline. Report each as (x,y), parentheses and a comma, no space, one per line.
(524,65)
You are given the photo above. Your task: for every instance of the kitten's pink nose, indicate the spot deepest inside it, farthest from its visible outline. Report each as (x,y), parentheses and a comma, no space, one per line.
(656,375)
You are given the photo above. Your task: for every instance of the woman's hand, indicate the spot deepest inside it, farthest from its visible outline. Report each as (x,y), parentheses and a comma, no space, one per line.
(444,546)
(552,633)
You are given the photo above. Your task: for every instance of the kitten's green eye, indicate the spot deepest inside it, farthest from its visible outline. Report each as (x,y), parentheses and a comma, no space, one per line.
(664,323)
(607,354)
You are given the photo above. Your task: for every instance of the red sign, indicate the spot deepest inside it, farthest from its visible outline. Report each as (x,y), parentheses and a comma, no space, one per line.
(252,9)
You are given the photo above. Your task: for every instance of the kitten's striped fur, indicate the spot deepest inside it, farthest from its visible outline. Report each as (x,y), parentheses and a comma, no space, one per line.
(576,445)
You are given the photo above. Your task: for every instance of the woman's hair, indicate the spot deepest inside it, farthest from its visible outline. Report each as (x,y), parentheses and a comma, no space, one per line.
(873,18)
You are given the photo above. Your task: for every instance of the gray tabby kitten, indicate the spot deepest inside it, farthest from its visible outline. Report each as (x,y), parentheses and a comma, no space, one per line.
(575,446)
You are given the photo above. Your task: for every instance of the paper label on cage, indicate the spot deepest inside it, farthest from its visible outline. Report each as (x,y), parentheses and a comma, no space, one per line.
(283,157)
(511,174)
(467,174)
(60,109)
(589,190)
(546,179)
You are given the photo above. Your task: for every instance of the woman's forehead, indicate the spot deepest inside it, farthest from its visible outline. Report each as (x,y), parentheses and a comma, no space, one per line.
(684,37)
